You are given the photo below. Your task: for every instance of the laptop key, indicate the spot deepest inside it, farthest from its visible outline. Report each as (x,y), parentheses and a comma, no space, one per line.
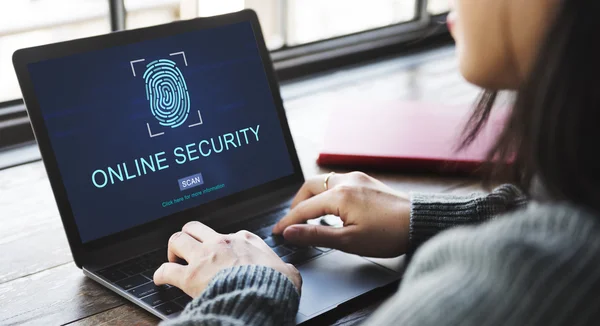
(144,290)
(274,217)
(183,300)
(155,299)
(294,247)
(112,275)
(176,292)
(157,262)
(146,264)
(132,282)
(274,240)
(161,297)
(265,220)
(264,232)
(169,308)
(281,251)
(156,257)
(149,274)
(132,269)
(301,256)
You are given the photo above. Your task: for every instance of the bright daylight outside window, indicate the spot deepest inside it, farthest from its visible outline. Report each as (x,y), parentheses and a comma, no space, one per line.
(436,7)
(35,22)
(285,23)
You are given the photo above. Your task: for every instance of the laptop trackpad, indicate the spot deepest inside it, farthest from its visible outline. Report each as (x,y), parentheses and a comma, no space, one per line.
(336,278)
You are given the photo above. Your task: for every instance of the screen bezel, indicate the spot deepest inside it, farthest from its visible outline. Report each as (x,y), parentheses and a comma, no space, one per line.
(23,57)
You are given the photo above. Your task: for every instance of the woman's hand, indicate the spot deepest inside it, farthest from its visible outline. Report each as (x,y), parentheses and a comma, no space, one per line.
(376,218)
(207,252)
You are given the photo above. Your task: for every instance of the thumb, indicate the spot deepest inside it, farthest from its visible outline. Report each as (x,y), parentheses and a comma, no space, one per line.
(317,235)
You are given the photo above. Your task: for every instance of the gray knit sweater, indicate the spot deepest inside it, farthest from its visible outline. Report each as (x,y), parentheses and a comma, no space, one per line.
(537,265)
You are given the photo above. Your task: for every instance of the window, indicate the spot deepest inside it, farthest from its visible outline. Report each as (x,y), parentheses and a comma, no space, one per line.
(307,35)
(143,13)
(286,22)
(315,20)
(36,22)
(437,7)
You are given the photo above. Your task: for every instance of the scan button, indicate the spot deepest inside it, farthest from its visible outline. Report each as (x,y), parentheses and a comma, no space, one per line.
(190,182)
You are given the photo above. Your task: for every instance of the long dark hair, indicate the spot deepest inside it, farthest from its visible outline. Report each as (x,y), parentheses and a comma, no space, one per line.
(555,119)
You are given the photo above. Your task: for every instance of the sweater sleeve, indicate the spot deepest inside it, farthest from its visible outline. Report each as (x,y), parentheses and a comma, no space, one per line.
(243,295)
(433,213)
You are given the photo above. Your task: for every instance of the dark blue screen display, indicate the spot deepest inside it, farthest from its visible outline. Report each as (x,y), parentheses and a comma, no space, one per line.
(148,129)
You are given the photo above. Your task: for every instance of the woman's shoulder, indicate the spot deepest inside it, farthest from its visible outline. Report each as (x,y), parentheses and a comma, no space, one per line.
(548,219)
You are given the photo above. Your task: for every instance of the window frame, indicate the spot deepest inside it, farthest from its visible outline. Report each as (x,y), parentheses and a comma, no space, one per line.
(290,63)
(420,21)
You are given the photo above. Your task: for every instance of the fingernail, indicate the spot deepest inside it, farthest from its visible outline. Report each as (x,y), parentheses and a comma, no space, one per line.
(275,229)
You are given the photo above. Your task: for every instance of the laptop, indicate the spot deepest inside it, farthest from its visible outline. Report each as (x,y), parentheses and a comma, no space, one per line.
(141,131)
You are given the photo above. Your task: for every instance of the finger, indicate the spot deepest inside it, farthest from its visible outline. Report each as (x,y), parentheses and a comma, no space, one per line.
(318,235)
(169,273)
(314,186)
(182,245)
(317,206)
(200,231)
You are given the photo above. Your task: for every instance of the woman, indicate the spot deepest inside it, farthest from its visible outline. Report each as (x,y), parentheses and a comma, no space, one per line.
(503,262)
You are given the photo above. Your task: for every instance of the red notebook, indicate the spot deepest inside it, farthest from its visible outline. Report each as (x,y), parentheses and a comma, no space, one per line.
(405,136)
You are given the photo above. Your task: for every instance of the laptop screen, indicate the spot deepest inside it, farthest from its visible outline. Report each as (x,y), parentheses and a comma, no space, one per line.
(148,129)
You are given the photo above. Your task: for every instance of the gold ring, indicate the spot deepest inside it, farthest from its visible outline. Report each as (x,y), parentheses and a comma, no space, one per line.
(326,182)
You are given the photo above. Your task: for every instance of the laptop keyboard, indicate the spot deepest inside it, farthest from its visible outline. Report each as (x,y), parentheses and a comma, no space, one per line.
(289,253)
(135,275)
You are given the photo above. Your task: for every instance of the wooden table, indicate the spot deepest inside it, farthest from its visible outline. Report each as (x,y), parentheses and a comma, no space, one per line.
(39,284)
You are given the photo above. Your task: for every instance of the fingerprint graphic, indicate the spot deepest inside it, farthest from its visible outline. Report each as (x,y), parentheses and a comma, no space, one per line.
(167,93)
